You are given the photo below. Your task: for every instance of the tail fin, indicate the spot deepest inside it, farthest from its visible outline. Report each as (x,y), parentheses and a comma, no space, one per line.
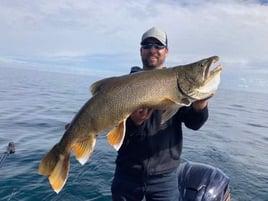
(55,165)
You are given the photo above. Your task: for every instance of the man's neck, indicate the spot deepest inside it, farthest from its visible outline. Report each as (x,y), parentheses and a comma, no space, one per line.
(152,68)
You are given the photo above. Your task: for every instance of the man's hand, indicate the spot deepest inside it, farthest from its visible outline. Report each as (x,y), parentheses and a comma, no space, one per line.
(200,104)
(139,116)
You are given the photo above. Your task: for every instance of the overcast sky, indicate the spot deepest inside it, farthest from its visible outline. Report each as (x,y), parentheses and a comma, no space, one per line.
(102,37)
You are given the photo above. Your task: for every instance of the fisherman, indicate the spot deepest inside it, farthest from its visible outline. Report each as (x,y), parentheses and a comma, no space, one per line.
(147,161)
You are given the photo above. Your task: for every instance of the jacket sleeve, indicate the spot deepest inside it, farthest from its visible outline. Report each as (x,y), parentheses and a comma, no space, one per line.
(192,119)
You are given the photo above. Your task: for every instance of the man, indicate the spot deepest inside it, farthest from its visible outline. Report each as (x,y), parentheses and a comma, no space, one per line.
(148,159)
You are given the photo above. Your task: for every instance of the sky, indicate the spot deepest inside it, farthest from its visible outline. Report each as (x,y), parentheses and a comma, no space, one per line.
(102,37)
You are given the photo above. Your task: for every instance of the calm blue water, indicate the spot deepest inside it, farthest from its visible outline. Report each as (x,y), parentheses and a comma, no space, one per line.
(36,105)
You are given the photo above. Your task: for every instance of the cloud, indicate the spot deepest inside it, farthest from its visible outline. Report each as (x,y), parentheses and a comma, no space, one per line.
(94,34)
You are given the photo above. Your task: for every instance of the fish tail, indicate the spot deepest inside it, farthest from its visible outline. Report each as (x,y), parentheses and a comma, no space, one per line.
(56,165)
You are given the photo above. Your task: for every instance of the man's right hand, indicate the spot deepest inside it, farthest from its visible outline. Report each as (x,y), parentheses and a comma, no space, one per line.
(139,116)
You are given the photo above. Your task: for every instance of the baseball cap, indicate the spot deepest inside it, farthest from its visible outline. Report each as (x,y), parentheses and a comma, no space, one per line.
(156,33)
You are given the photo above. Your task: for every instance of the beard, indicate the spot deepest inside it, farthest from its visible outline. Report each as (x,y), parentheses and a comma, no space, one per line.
(152,62)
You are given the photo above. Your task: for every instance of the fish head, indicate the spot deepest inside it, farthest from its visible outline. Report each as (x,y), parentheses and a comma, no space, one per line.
(197,80)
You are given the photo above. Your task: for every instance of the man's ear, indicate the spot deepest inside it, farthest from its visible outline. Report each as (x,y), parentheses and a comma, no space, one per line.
(167,51)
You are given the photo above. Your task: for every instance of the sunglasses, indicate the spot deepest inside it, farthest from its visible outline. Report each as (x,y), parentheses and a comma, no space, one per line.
(151,45)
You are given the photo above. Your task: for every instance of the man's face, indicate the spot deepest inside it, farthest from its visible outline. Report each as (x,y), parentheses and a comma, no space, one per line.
(153,57)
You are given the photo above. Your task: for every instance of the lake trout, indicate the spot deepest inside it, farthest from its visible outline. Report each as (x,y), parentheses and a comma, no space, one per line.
(114,99)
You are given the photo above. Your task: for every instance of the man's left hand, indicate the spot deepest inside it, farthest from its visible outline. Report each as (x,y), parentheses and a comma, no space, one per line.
(200,104)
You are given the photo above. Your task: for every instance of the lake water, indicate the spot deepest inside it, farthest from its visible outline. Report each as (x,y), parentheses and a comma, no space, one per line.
(36,105)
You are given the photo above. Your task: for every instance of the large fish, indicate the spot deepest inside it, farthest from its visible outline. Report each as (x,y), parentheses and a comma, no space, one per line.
(114,99)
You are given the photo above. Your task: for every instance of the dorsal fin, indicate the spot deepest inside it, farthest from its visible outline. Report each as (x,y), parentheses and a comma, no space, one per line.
(100,85)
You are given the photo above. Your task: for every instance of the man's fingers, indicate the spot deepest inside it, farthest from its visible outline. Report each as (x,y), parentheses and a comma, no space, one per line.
(149,113)
(141,114)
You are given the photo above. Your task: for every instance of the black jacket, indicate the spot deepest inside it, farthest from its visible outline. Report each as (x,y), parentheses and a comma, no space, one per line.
(152,148)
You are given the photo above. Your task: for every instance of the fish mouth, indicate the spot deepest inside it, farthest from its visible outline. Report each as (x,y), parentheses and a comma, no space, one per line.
(208,72)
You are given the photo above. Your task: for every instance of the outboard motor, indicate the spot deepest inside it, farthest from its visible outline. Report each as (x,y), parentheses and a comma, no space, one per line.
(201,182)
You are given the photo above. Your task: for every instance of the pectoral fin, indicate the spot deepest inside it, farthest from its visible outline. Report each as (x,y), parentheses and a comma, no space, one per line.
(116,136)
(169,112)
(171,108)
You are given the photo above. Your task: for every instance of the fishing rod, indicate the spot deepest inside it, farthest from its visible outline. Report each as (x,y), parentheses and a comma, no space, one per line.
(10,150)
(3,156)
